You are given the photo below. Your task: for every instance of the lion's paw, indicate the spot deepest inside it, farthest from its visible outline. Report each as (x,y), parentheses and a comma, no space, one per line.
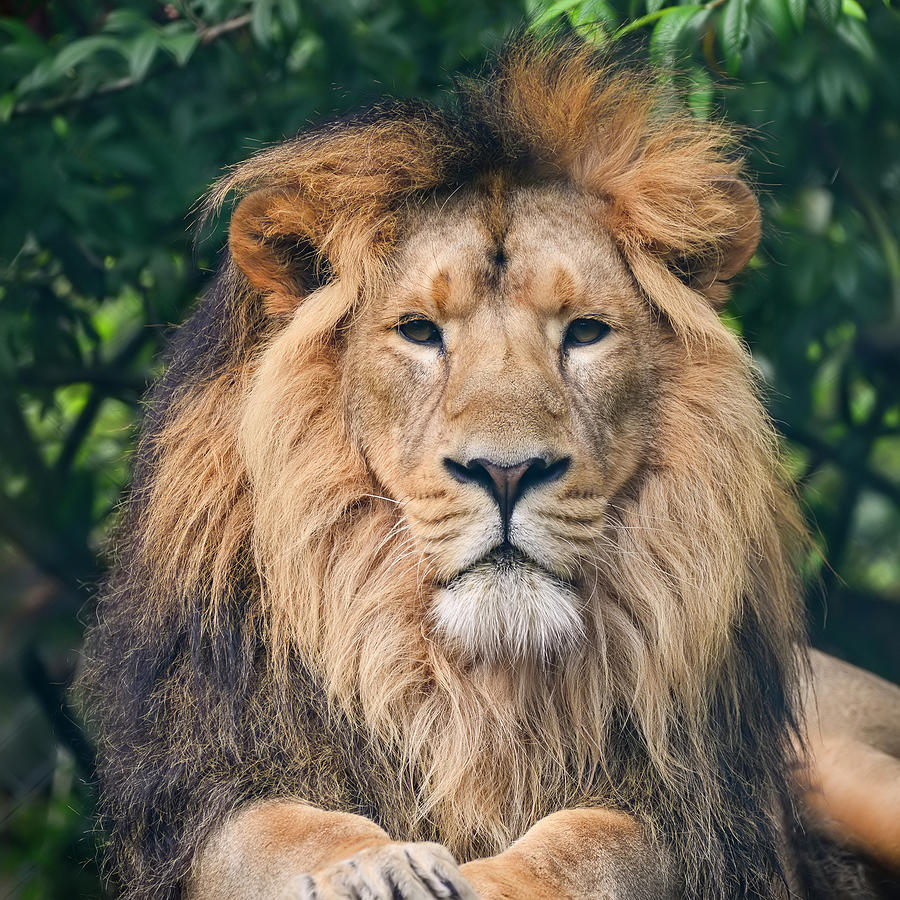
(419,871)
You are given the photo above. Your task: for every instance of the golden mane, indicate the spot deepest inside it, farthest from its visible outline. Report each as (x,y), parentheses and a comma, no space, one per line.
(548,110)
(253,495)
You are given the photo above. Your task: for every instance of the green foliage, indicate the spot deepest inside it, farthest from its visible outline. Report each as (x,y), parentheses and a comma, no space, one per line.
(113,122)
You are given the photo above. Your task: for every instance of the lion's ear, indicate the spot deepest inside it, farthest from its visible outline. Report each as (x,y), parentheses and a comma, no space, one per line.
(693,249)
(274,238)
(708,269)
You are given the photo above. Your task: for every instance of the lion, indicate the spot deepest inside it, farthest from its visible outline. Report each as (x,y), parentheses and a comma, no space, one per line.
(458,561)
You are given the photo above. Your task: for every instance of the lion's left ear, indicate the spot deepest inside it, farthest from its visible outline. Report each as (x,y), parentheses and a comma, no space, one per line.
(693,229)
(683,247)
(708,269)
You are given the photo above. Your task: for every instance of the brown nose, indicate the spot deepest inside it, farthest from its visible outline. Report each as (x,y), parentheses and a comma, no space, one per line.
(507,484)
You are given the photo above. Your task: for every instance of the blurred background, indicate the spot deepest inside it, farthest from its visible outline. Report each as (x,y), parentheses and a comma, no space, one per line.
(115,117)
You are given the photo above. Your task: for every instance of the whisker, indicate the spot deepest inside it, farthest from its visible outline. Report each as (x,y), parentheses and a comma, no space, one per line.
(379,497)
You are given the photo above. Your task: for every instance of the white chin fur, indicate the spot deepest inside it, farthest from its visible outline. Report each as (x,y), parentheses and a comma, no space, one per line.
(515,609)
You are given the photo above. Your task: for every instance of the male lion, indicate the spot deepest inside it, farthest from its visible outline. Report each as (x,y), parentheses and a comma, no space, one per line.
(457,559)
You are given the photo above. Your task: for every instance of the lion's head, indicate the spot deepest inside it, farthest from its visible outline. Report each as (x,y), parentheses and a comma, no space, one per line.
(469,432)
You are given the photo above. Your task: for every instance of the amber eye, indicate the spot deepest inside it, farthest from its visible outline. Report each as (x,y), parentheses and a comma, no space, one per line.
(585,331)
(420,331)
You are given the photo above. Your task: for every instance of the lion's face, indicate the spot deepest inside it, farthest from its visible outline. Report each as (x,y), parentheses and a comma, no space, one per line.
(502,392)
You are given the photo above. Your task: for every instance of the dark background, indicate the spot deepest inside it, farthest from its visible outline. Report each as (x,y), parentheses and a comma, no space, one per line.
(114,118)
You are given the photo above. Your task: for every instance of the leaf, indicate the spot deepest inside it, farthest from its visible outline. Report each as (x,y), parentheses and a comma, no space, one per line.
(78,51)
(853,33)
(289,13)
(829,10)
(180,41)
(60,126)
(23,35)
(16,59)
(553,11)
(777,14)
(701,94)
(798,12)
(592,12)
(140,53)
(261,21)
(830,82)
(126,20)
(856,86)
(654,5)
(853,9)
(304,49)
(594,20)
(735,28)
(667,32)
(40,76)
(7,105)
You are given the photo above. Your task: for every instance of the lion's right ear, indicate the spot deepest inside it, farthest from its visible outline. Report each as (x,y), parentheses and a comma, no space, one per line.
(275,236)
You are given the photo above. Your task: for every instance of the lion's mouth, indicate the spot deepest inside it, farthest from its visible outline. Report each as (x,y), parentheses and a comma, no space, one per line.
(506,555)
(505,559)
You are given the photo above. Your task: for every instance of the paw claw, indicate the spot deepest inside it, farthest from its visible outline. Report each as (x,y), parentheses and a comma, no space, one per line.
(392,871)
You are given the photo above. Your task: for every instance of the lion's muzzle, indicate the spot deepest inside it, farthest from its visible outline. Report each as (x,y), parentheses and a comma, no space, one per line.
(507,483)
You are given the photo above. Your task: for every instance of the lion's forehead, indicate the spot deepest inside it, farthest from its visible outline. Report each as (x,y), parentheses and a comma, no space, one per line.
(538,248)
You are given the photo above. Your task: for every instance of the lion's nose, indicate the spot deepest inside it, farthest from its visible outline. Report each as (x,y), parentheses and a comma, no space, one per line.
(507,484)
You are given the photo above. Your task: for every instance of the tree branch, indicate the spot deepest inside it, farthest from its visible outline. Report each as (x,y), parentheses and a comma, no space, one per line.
(846,460)
(111,380)
(877,219)
(77,433)
(82,425)
(52,698)
(73,565)
(204,35)
(211,32)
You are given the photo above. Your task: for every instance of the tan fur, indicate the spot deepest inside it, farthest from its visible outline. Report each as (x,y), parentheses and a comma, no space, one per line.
(573,855)
(314,467)
(844,699)
(854,795)
(570,855)
(853,776)
(290,850)
(261,851)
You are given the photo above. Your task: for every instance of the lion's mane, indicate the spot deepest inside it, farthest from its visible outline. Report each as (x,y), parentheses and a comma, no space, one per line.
(263,630)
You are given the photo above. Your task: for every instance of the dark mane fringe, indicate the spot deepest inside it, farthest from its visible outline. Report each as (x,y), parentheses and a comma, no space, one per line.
(201,703)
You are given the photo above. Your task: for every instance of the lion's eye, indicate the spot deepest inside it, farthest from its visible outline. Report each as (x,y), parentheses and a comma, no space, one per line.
(420,331)
(585,331)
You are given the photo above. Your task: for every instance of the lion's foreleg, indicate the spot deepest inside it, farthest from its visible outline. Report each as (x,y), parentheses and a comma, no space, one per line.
(851,784)
(577,854)
(286,849)
(853,793)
